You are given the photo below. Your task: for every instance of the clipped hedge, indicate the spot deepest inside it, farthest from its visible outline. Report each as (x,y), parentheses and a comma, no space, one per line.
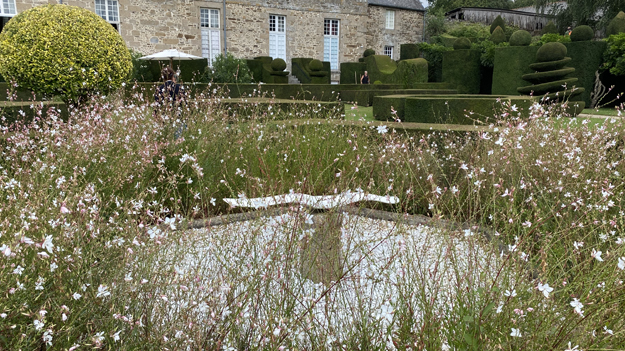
(582,33)
(409,72)
(190,71)
(462,69)
(351,72)
(365,97)
(587,58)
(511,63)
(20,93)
(409,51)
(498,22)
(617,24)
(240,109)
(12,111)
(300,68)
(520,38)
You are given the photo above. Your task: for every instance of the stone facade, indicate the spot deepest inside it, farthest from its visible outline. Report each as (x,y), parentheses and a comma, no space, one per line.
(150,26)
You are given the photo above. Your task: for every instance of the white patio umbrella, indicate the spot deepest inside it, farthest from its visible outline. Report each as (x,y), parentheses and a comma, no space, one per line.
(170,54)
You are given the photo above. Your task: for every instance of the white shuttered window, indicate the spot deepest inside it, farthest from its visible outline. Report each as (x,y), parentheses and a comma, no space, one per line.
(331,43)
(109,10)
(211,36)
(390,19)
(277,36)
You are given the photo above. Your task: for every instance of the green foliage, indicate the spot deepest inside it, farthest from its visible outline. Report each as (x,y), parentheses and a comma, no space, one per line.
(498,36)
(520,38)
(462,44)
(377,82)
(487,50)
(63,50)
(510,64)
(584,12)
(433,53)
(315,65)
(476,31)
(617,24)
(614,58)
(498,22)
(439,7)
(550,66)
(408,51)
(462,69)
(141,71)
(278,65)
(413,71)
(368,52)
(553,38)
(551,52)
(582,33)
(434,25)
(550,28)
(351,72)
(229,69)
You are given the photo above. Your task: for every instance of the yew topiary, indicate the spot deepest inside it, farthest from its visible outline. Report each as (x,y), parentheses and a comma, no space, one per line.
(553,51)
(462,44)
(617,24)
(368,52)
(278,65)
(549,28)
(582,33)
(498,36)
(315,65)
(520,38)
(63,50)
(498,22)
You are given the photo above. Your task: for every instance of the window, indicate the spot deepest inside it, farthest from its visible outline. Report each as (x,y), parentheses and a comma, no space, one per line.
(277,36)
(331,43)
(211,36)
(388,51)
(108,9)
(7,10)
(390,19)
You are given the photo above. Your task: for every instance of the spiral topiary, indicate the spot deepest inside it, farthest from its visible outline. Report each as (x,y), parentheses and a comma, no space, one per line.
(368,53)
(462,44)
(550,79)
(520,38)
(582,33)
(617,24)
(63,50)
(549,28)
(498,22)
(498,36)
(278,65)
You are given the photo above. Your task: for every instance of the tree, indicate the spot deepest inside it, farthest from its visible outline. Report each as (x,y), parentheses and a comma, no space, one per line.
(439,7)
(596,13)
(229,69)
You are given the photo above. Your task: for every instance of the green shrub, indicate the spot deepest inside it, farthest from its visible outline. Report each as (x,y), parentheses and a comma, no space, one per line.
(487,50)
(462,44)
(520,38)
(377,82)
(617,24)
(614,58)
(408,51)
(368,53)
(315,65)
(63,50)
(498,22)
(278,65)
(551,65)
(412,72)
(433,53)
(498,36)
(141,71)
(582,33)
(475,31)
(551,52)
(550,28)
(229,69)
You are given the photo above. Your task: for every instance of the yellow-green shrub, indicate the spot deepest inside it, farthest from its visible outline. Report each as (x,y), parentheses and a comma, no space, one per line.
(63,50)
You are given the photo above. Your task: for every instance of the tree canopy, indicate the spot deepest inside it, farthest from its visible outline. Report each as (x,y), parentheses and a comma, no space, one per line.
(439,7)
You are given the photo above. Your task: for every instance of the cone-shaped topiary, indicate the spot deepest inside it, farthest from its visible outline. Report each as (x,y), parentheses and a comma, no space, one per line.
(462,44)
(617,24)
(278,65)
(498,36)
(368,53)
(549,28)
(551,79)
(520,38)
(553,51)
(582,33)
(498,22)
(63,50)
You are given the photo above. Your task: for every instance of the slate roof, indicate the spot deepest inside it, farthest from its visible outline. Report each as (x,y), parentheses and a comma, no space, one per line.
(414,5)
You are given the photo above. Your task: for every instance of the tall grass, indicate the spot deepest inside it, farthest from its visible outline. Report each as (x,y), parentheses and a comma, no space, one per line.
(90,259)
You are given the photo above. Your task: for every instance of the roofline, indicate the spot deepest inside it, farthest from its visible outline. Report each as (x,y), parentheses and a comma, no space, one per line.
(500,10)
(398,7)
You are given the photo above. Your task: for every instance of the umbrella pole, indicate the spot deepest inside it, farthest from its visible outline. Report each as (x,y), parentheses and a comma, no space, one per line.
(171,62)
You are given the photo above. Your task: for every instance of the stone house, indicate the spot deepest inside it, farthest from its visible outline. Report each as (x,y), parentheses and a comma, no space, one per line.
(329,30)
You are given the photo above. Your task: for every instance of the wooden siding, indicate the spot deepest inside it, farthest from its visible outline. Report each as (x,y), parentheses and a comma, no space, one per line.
(523,20)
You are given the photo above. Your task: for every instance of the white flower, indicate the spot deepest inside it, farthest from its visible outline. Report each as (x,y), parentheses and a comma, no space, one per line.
(103,291)
(607,331)
(510,293)
(621,263)
(39,283)
(116,336)
(577,305)
(76,296)
(38,324)
(47,337)
(53,266)
(545,289)
(18,270)
(276,332)
(574,348)
(3,315)
(516,333)
(468,232)
(382,129)
(597,255)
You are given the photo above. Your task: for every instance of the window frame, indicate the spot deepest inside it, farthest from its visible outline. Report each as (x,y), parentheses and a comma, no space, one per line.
(390,19)
(112,18)
(209,17)
(210,30)
(389,50)
(8,14)
(332,31)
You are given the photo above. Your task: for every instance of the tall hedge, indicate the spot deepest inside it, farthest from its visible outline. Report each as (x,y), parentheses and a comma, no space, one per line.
(462,69)
(586,58)
(511,63)
(63,50)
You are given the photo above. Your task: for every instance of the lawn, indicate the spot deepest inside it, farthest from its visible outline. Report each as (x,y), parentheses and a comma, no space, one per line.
(357,113)
(601,111)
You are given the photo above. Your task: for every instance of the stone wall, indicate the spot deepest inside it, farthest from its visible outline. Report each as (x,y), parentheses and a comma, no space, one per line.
(408,29)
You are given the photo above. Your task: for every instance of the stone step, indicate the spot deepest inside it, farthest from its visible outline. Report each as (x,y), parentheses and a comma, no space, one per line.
(293,79)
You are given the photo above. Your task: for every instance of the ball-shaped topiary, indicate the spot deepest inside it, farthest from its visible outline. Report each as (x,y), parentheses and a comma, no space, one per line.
(617,24)
(553,51)
(368,53)
(462,44)
(63,50)
(498,22)
(582,33)
(278,65)
(498,36)
(520,38)
(549,28)
(315,65)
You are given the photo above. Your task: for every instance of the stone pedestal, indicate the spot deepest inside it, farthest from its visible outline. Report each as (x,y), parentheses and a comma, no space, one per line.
(320,259)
